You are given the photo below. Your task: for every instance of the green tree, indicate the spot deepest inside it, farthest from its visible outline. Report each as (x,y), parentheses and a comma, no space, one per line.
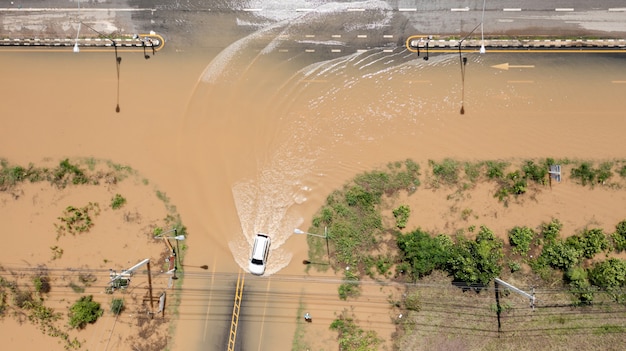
(476,262)
(423,252)
(84,311)
(608,274)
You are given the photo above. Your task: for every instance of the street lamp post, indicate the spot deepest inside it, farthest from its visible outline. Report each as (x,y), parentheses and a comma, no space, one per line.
(463,62)
(118,59)
(482,33)
(325,236)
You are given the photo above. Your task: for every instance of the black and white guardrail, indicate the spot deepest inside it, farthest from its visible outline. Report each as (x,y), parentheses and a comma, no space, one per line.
(148,41)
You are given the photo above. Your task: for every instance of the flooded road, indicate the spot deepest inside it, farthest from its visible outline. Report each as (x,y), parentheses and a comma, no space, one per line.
(252,138)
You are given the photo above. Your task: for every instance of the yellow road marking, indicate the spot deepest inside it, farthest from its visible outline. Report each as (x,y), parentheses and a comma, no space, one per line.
(236,309)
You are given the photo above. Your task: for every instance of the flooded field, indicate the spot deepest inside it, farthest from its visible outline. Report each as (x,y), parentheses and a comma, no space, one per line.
(253,138)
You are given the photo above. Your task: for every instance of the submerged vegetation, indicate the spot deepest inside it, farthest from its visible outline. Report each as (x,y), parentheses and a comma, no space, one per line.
(26,300)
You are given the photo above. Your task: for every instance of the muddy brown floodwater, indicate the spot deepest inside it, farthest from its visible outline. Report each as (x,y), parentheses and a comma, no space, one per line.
(253,141)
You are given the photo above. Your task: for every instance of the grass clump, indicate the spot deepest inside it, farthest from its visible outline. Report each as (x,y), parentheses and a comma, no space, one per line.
(117,201)
(446,172)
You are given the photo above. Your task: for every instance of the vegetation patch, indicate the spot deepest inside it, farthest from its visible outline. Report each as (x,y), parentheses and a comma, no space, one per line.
(352,337)
(401,214)
(77,219)
(84,311)
(573,266)
(117,201)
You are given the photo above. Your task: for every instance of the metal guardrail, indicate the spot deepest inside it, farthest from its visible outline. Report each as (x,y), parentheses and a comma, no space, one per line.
(236,308)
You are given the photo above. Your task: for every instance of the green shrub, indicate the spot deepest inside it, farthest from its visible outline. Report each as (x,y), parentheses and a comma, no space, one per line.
(593,241)
(619,236)
(401,214)
(423,253)
(77,288)
(517,184)
(349,289)
(514,266)
(84,311)
(403,178)
(550,231)
(622,171)
(495,169)
(472,171)
(41,284)
(383,264)
(608,274)
(359,197)
(521,238)
(603,173)
(536,173)
(68,172)
(475,262)
(352,337)
(446,172)
(117,306)
(584,173)
(582,291)
(561,255)
(117,202)
(22,298)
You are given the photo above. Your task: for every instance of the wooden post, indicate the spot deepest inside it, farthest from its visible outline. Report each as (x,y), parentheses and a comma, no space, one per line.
(150,287)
